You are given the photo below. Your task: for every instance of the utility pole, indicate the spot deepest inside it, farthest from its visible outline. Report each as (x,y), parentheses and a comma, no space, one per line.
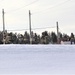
(57,33)
(3,26)
(30,26)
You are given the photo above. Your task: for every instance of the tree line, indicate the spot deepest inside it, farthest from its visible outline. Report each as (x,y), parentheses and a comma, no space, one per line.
(45,38)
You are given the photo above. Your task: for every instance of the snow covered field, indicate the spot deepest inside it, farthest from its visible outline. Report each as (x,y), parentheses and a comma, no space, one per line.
(37,59)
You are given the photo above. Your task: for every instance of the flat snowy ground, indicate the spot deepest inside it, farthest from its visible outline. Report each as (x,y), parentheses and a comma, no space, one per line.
(37,59)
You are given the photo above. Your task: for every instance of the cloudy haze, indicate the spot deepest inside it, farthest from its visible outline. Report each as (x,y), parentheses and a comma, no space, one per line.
(45,13)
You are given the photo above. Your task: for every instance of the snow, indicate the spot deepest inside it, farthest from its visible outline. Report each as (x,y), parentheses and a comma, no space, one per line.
(67,43)
(37,59)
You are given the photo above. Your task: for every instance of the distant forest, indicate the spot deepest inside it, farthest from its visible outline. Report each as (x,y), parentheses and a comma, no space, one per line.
(45,38)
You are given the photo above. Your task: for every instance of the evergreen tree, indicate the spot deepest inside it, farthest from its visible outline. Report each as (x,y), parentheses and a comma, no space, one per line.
(53,37)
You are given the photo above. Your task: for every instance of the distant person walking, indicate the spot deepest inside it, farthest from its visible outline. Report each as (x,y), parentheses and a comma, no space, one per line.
(72,38)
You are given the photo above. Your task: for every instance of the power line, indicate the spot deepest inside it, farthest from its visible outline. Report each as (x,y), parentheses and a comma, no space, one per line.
(42,28)
(52,7)
(32,29)
(1,0)
(60,30)
(22,7)
(18,30)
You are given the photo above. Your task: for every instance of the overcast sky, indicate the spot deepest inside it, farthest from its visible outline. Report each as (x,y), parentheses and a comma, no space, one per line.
(45,13)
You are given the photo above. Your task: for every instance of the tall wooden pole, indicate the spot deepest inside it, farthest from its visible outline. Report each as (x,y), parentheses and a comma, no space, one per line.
(30,26)
(3,26)
(57,33)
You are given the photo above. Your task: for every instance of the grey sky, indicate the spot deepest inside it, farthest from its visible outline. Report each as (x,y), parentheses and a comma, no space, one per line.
(45,13)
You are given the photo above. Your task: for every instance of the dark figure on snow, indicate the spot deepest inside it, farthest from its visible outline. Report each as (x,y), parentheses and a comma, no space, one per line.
(72,38)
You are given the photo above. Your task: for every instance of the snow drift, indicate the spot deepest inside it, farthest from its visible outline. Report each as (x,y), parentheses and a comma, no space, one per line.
(37,59)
